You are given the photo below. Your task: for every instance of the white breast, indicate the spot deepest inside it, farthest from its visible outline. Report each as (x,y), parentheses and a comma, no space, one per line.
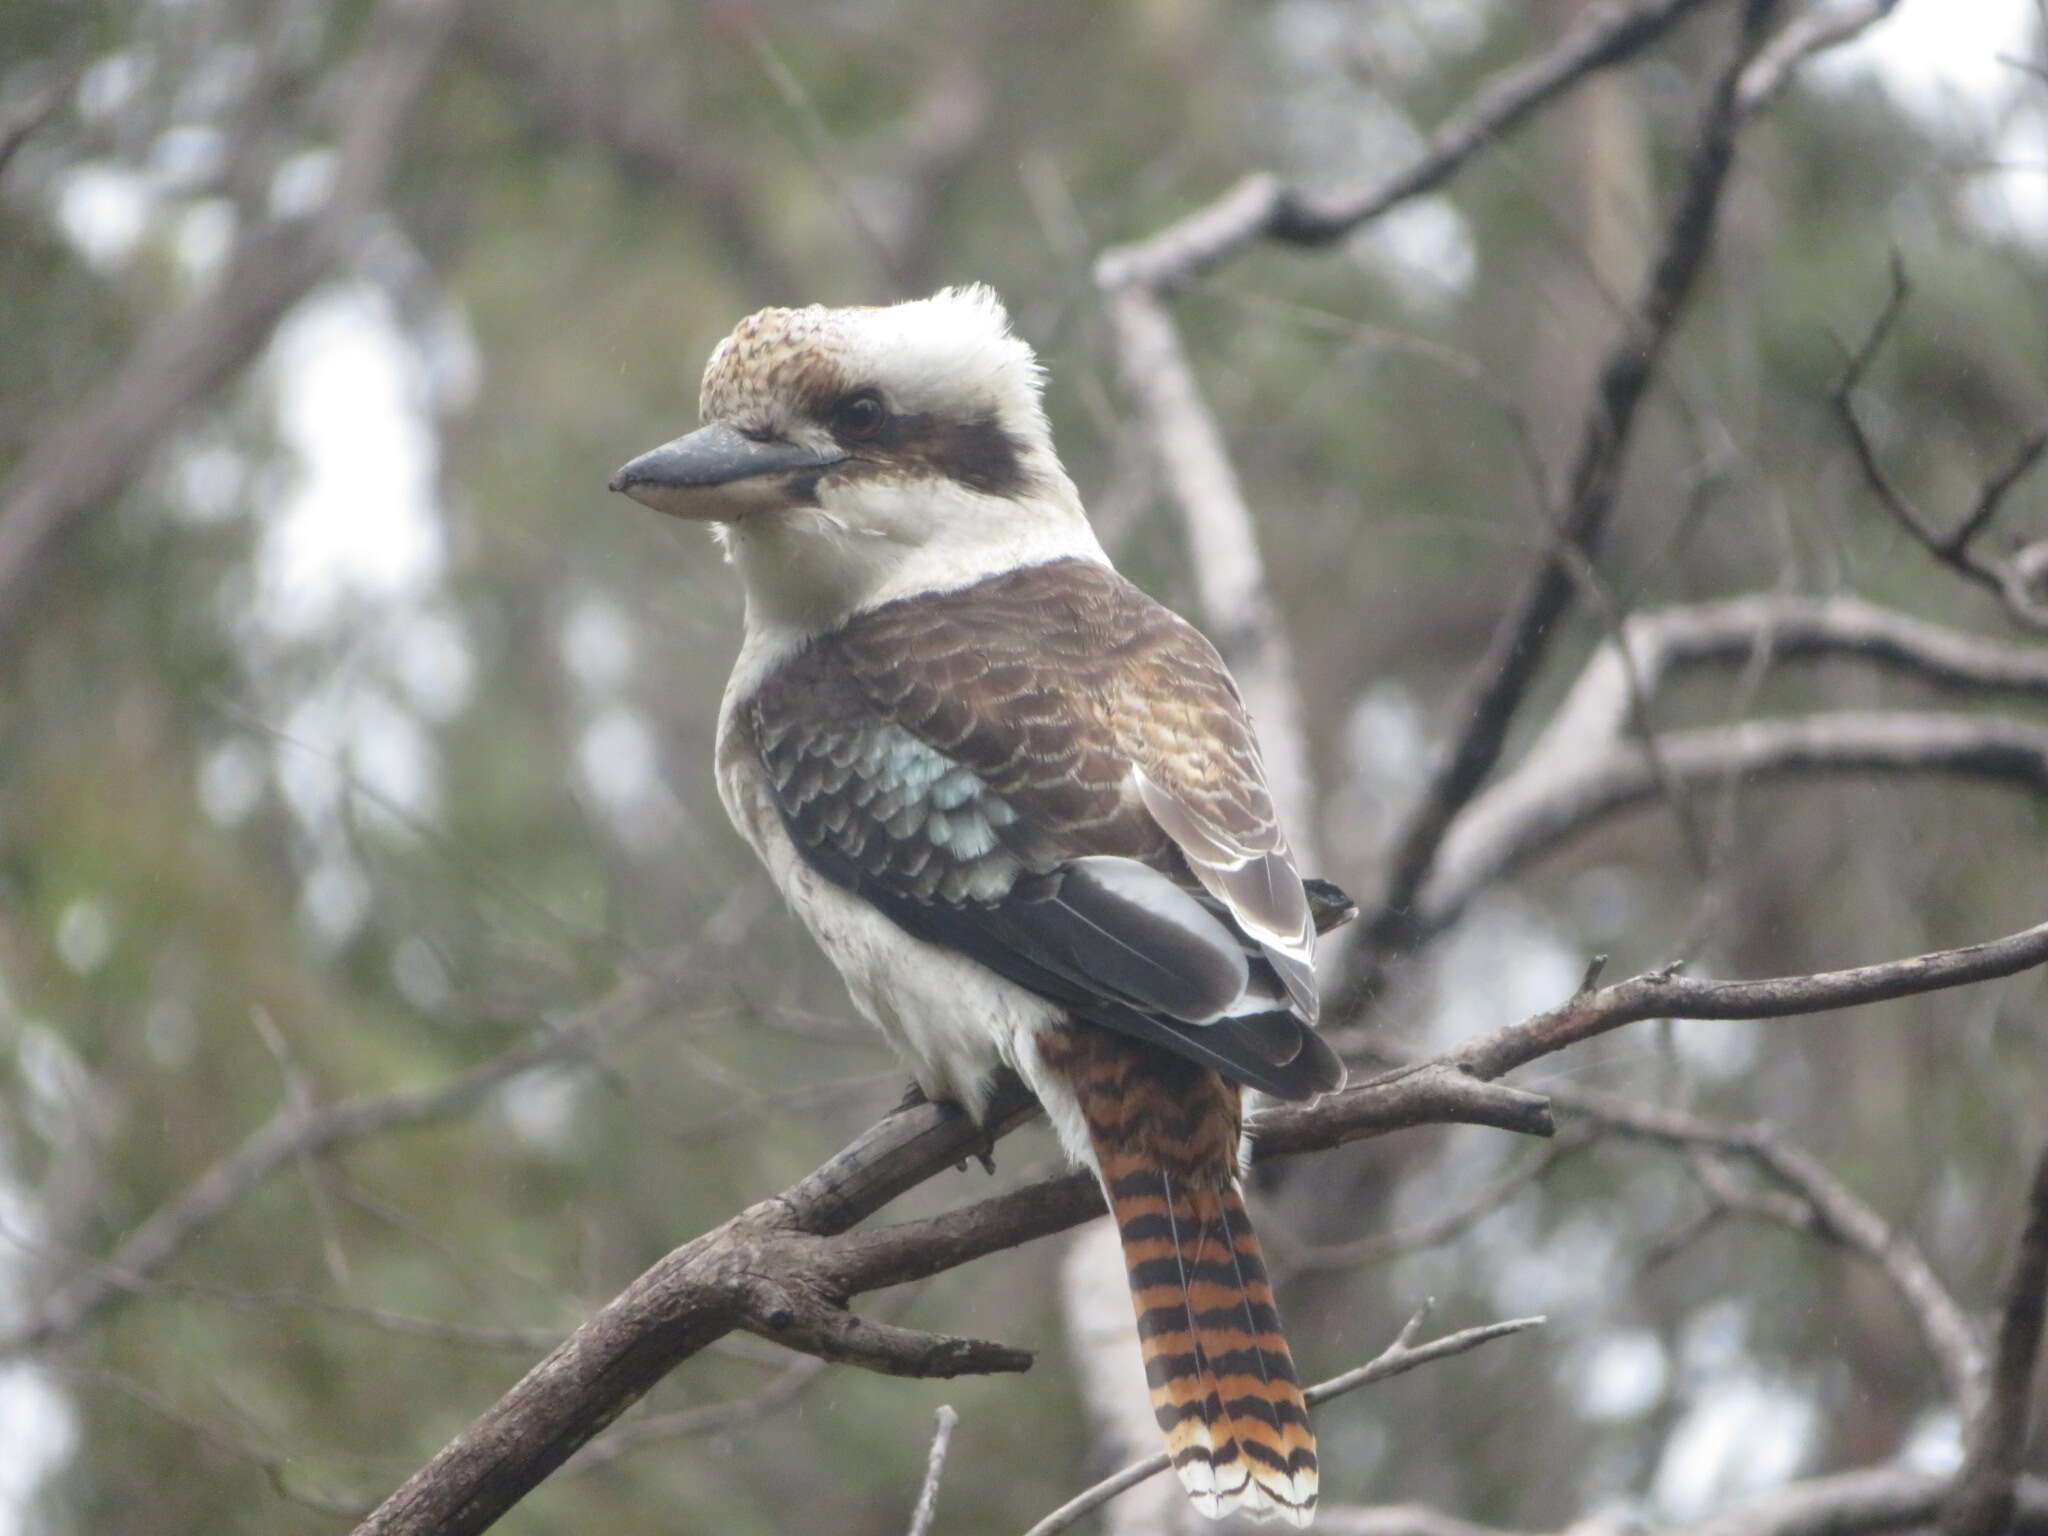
(951,1019)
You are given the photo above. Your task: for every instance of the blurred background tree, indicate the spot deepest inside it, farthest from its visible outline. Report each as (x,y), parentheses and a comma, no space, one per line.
(355,743)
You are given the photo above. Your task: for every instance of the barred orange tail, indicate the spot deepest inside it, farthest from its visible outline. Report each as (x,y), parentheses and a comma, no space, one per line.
(1222,1378)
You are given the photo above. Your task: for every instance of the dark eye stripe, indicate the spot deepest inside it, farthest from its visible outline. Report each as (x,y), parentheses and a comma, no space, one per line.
(977,453)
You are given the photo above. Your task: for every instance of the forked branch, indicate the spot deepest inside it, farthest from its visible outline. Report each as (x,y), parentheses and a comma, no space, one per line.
(801,1238)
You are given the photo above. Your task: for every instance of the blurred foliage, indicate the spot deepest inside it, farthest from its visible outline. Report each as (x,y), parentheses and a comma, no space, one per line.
(272,829)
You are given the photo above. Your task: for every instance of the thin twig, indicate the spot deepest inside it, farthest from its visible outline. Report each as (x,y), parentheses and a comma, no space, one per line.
(19,119)
(1811,32)
(935,1465)
(786,1267)
(1189,447)
(1526,817)
(1822,1204)
(1396,1358)
(1501,681)
(296,1132)
(1263,207)
(1995,1439)
(2014,578)
(1291,1256)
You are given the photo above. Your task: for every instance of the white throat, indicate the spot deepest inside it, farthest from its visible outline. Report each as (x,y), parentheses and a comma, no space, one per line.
(808,569)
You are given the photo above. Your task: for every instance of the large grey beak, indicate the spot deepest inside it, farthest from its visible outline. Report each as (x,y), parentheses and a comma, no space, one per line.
(717,472)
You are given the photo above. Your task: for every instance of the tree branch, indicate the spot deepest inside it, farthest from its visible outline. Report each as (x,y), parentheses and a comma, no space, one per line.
(935,1465)
(92,449)
(1986,1490)
(1586,764)
(1860,1503)
(1533,812)
(2017,580)
(21,118)
(1523,637)
(1188,445)
(714,1283)
(294,1133)
(1398,1357)
(1823,1204)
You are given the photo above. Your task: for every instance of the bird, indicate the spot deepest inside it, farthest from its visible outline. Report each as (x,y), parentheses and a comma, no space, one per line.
(1021,807)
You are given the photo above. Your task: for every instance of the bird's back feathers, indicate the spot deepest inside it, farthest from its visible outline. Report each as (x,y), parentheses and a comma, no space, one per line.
(1050,772)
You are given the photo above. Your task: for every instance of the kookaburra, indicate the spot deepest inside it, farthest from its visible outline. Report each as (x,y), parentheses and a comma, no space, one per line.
(1020,806)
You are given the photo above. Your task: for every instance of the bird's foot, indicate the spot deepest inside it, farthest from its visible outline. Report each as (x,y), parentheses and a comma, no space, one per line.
(913,1096)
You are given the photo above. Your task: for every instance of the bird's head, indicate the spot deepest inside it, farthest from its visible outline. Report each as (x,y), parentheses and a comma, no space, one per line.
(850,456)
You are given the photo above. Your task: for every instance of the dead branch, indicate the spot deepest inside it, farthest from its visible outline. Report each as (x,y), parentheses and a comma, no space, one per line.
(1810,32)
(1824,1205)
(1286,1254)
(1521,641)
(1669,995)
(1986,1491)
(785,1267)
(1401,1356)
(1850,1503)
(2016,579)
(90,450)
(1530,815)
(1264,208)
(1846,1504)
(1187,443)
(935,1465)
(21,118)
(300,1131)
(1586,750)
(704,1419)
(1781,628)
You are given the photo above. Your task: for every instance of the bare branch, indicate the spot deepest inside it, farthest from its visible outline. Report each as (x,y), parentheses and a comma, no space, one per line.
(1811,32)
(1531,813)
(298,1132)
(1263,207)
(1523,637)
(19,119)
(705,1418)
(935,1465)
(1784,628)
(2016,579)
(1667,995)
(790,1308)
(1398,1357)
(1564,779)
(715,1283)
(1187,441)
(1986,1489)
(1836,1212)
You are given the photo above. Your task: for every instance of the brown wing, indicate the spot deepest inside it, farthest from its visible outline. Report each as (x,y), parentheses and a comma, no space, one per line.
(1054,774)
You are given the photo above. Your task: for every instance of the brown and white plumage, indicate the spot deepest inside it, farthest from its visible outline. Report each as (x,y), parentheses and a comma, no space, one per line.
(1020,806)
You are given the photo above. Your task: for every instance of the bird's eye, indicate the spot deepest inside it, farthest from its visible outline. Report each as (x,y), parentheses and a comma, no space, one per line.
(859,416)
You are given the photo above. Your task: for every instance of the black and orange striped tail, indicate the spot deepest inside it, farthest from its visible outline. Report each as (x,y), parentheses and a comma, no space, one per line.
(1222,1377)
